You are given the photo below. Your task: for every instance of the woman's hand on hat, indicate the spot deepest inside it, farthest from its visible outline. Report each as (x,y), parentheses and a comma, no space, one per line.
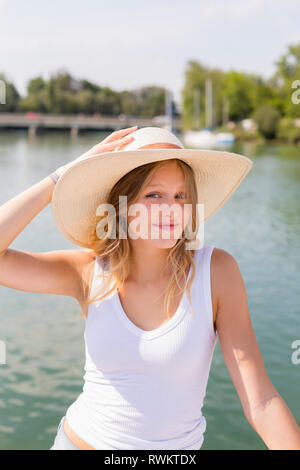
(115,141)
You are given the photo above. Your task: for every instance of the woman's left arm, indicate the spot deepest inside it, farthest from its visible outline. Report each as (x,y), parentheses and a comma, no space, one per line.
(263,407)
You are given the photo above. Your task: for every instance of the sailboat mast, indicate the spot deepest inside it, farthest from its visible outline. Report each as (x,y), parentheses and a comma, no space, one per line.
(208,103)
(169,109)
(225,111)
(197,123)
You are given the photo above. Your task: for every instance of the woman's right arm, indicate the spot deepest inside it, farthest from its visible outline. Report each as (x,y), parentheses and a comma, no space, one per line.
(16,213)
(53,272)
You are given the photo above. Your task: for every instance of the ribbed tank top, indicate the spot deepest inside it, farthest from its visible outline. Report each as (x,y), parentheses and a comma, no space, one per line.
(145,389)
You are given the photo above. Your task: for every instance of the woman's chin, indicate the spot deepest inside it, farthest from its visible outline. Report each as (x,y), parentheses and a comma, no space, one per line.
(164,243)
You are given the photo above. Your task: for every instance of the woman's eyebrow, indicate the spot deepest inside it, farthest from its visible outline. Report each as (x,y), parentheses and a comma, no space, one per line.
(153,185)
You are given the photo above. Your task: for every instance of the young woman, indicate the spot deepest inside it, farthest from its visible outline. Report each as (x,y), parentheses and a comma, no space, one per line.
(154,305)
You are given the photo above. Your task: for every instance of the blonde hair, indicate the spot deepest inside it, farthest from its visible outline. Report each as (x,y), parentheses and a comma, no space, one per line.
(115,252)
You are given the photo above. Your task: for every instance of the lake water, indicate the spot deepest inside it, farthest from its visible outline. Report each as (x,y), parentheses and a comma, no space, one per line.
(259,225)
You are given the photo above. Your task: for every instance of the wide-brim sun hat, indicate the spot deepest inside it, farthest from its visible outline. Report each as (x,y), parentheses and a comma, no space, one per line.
(86,184)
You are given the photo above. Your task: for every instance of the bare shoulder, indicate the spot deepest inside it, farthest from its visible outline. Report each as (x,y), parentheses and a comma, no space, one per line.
(60,272)
(225,277)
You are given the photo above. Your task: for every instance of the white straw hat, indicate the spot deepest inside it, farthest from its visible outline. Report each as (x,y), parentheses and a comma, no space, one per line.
(86,184)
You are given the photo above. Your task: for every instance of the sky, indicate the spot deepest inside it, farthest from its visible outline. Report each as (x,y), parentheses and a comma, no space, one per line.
(128,44)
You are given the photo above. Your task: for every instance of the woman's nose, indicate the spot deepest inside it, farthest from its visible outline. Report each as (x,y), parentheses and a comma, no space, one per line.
(171,208)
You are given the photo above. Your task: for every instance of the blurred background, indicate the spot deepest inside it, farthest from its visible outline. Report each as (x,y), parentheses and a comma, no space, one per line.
(219,75)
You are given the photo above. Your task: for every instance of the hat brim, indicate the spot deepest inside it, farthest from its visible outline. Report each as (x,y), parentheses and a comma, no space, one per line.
(87,183)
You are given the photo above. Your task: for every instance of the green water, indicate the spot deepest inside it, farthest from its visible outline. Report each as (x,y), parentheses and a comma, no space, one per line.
(259,226)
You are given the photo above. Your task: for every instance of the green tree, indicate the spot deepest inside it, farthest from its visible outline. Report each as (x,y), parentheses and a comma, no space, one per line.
(35,99)
(107,101)
(150,101)
(60,93)
(287,71)
(237,89)
(129,102)
(287,131)
(86,85)
(85,100)
(193,95)
(267,119)
(35,85)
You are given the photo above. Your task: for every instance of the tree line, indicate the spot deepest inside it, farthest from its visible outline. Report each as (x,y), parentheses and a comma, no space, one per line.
(274,103)
(64,94)
(267,101)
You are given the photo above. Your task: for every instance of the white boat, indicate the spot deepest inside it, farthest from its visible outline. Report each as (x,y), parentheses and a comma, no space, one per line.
(225,138)
(206,138)
(201,138)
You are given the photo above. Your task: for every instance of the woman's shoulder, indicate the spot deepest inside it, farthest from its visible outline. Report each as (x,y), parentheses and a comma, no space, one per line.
(222,263)
(225,274)
(222,260)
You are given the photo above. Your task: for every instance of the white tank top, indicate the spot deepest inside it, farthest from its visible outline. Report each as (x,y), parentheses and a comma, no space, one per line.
(145,389)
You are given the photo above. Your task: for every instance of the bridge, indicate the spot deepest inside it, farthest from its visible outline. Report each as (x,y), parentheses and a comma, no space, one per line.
(75,123)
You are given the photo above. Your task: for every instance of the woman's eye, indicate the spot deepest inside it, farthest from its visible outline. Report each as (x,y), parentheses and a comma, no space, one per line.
(181,195)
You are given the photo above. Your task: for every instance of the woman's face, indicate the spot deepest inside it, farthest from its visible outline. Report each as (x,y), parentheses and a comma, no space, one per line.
(164,215)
